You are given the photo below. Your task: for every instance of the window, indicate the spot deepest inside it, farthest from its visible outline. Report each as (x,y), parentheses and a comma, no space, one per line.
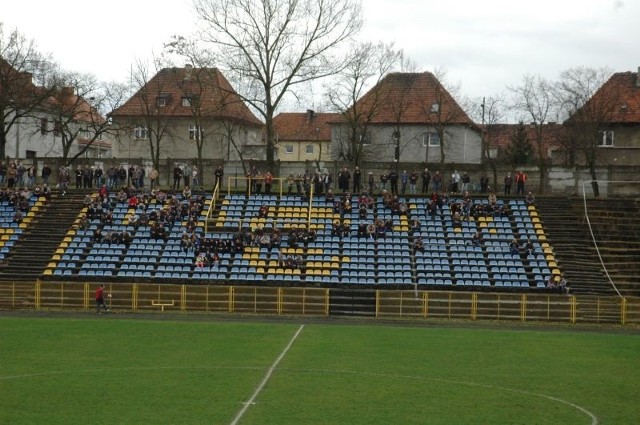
(430,139)
(57,128)
(606,139)
(186,102)
(288,148)
(140,132)
(44,126)
(309,149)
(193,133)
(365,138)
(162,100)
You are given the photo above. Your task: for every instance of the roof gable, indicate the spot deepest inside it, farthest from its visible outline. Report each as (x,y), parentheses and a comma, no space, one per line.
(411,98)
(213,93)
(299,126)
(621,93)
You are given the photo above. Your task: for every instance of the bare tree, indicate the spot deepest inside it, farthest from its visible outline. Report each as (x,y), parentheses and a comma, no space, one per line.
(75,108)
(368,64)
(151,111)
(20,64)
(440,110)
(490,112)
(277,45)
(589,111)
(534,98)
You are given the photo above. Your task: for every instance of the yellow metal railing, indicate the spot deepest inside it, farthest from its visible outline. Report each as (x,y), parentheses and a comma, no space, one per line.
(316,302)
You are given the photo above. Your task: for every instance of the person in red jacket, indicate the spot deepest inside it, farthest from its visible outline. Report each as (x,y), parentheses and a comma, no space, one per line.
(100,299)
(521,179)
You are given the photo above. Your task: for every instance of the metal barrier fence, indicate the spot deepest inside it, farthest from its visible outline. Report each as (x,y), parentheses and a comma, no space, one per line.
(138,297)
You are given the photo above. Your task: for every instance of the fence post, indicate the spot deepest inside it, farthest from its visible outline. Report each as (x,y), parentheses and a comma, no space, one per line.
(474,306)
(623,311)
(37,295)
(85,298)
(573,310)
(183,297)
(327,301)
(134,297)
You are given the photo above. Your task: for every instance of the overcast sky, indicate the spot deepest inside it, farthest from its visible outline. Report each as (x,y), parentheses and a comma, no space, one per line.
(484,45)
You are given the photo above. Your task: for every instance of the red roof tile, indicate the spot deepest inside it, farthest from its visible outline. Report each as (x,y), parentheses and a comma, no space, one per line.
(501,135)
(622,92)
(217,96)
(411,97)
(298,126)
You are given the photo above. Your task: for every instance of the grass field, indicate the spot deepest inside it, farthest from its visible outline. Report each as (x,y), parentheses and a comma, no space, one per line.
(99,370)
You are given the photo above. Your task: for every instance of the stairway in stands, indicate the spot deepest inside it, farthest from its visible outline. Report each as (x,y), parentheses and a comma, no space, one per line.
(38,243)
(575,253)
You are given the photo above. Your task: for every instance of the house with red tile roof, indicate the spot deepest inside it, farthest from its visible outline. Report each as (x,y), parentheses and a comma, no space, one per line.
(48,118)
(408,117)
(303,136)
(181,107)
(612,117)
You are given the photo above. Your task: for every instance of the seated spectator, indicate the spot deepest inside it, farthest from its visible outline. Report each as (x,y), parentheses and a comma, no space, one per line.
(477,240)
(97,236)
(530,199)
(456,219)
(46,192)
(551,282)
(418,244)
(415,225)
(17,217)
(371,231)
(88,200)
(362,211)
(362,230)
(514,248)
(493,199)
(263,212)
(329,197)
(186,192)
(529,247)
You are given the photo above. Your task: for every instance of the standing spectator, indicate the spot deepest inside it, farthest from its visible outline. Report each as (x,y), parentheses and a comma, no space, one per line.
(384,178)
(291,182)
(186,175)
(97,174)
(218,176)
(122,176)
(437,182)
(372,182)
(455,181)
(465,182)
(63,179)
(46,173)
(87,178)
(268,181)
(3,172)
(153,178)
(79,174)
(357,178)
(413,179)
(404,179)
(100,299)
(20,174)
(327,180)
(393,182)
(521,179)
(12,172)
(177,177)
(31,176)
(426,179)
(343,179)
(508,181)
(484,183)
(195,177)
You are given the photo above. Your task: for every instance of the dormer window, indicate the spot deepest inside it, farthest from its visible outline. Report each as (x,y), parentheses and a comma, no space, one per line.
(162,100)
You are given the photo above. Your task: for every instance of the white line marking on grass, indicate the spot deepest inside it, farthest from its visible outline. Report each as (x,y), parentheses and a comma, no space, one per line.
(266,378)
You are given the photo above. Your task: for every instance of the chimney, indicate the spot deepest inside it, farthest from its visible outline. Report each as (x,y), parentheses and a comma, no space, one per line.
(187,71)
(310,114)
(638,78)
(66,91)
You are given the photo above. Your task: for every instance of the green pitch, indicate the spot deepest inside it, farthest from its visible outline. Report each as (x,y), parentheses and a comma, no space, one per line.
(108,370)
